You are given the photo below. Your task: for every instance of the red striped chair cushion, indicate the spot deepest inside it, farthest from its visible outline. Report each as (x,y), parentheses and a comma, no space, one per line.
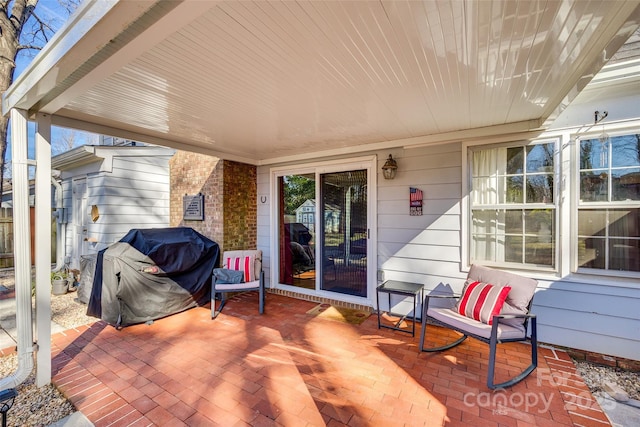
(481,301)
(245,264)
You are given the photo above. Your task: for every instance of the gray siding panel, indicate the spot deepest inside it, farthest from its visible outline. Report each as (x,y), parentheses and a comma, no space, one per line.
(576,301)
(431,222)
(401,235)
(412,251)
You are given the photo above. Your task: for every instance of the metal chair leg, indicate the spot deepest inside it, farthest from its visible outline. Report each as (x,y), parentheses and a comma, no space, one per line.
(522,375)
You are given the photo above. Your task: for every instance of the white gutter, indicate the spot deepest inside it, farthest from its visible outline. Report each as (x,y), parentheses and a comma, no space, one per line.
(21,251)
(60,230)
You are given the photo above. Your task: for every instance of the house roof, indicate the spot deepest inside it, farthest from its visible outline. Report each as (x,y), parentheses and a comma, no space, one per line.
(86,154)
(265,82)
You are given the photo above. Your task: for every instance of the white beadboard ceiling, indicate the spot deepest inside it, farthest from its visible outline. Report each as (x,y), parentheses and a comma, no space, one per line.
(265,81)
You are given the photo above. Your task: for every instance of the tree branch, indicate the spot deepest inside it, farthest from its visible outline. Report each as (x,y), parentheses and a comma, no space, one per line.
(43,27)
(20,13)
(29,46)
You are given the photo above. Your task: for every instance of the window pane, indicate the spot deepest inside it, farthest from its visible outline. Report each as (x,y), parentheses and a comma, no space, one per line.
(592,223)
(625,150)
(626,184)
(539,222)
(483,221)
(540,188)
(540,251)
(484,191)
(483,247)
(594,186)
(487,237)
(593,154)
(513,249)
(513,221)
(515,160)
(515,191)
(624,254)
(540,158)
(591,253)
(540,237)
(624,223)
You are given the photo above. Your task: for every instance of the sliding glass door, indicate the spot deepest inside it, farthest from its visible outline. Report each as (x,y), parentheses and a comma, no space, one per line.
(323,231)
(297,225)
(343,232)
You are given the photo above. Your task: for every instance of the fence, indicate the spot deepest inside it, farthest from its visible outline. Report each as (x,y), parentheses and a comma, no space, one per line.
(6,237)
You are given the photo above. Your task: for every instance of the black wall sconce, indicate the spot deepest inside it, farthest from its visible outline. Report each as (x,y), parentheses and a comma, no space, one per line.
(389,169)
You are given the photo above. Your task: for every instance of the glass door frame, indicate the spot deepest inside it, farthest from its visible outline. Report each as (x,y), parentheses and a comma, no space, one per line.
(367,163)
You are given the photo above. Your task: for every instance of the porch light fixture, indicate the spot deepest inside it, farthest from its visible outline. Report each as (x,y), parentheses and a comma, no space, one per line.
(389,169)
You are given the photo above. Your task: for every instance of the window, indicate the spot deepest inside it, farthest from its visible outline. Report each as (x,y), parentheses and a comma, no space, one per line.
(513,210)
(609,203)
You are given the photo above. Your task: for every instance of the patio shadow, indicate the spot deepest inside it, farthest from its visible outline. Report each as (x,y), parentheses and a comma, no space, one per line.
(288,368)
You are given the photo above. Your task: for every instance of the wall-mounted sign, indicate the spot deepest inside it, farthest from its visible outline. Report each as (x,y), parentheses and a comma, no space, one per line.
(193,207)
(415,201)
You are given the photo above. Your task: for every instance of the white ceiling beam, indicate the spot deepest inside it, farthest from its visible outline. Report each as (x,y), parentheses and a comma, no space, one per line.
(149,139)
(527,127)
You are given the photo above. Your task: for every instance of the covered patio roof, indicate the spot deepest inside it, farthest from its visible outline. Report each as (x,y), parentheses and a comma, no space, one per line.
(264,82)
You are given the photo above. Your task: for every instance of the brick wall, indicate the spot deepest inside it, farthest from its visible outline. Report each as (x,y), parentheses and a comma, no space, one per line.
(240,206)
(230,194)
(603,359)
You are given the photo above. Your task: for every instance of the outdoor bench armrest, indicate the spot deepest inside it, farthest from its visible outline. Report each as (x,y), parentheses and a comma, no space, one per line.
(513,316)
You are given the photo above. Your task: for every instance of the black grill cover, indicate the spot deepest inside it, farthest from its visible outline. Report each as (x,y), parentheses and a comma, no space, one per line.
(152,273)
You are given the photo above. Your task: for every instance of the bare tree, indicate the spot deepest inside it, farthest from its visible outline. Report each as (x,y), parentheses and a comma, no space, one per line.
(24,30)
(66,140)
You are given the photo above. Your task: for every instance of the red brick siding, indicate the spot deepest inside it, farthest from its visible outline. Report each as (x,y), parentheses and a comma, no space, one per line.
(230,194)
(191,174)
(240,206)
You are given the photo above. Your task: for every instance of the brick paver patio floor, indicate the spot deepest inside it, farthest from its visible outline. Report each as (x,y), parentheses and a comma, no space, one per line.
(287,368)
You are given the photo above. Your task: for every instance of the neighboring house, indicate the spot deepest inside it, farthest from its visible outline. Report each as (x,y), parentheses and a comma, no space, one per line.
(488,107)
(106,191)
(305,214)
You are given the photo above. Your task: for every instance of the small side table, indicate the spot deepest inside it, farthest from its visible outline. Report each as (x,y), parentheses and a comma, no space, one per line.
(406,289)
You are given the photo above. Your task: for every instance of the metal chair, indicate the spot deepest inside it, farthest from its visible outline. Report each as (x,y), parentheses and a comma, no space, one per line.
(250,263)
(509,326)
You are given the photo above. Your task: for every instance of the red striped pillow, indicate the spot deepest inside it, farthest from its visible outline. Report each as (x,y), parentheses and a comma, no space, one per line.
(481,301)
(245,264)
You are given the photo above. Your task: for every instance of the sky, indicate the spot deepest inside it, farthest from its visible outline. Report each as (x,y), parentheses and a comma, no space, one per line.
(54,13)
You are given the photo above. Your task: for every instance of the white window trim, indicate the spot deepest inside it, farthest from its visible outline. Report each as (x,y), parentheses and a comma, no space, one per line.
(559,188)
(597,276)
(567,206)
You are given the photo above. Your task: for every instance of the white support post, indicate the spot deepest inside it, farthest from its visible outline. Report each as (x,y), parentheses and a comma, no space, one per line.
(43,251)
(21,249)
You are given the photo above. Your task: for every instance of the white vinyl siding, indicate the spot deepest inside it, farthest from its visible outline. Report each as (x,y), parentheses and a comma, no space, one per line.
(263,221)
(134,194)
